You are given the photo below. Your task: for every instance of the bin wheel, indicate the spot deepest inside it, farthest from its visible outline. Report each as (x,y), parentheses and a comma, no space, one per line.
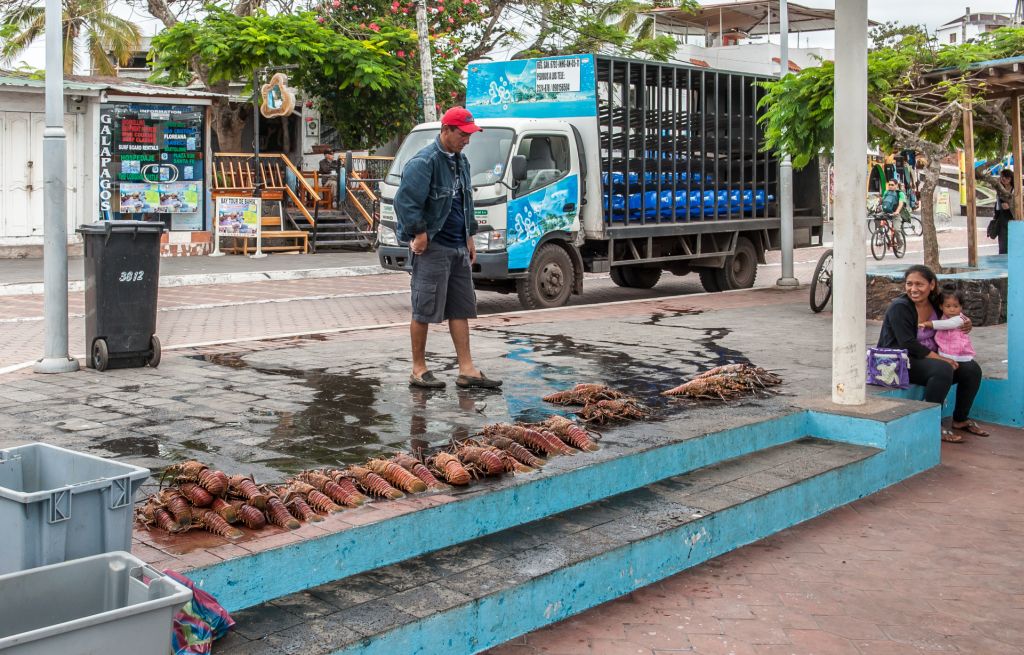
(154,356)
(100,355)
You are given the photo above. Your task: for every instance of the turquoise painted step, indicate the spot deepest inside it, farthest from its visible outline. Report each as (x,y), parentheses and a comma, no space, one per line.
(470,597)
(565,483)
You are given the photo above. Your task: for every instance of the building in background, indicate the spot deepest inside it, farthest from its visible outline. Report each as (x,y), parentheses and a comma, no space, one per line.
(970,26)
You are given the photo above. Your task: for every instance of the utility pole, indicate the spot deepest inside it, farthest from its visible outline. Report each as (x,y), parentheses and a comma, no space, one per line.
(426,64)
(55,223)
(785,166)
(849,331)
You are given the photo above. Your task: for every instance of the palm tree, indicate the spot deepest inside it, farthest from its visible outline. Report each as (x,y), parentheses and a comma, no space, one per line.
(102,31)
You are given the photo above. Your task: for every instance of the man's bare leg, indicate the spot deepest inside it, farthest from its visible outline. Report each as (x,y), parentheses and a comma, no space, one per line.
(459,328)
(418,332)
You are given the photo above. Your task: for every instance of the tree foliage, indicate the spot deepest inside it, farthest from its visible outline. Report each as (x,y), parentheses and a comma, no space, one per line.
(907,109)
(361,74)
(89,21)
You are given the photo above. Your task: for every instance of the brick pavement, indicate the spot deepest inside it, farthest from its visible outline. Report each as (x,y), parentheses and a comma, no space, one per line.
(929,565)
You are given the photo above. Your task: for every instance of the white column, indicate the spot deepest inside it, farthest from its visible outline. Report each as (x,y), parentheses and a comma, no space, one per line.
(851,136)
(785,167)
(55,229)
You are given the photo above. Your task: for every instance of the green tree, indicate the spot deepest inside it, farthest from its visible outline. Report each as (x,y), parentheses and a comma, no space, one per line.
(907,108)
(365,72)
(91,20)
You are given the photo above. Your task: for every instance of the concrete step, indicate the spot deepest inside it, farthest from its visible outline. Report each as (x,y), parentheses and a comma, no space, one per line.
(469,597)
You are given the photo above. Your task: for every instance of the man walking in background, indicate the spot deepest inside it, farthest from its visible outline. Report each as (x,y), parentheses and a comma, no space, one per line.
(434,205)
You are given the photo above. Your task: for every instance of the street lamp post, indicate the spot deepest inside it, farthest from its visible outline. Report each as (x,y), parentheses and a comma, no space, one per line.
(851,136)
(785,166)
(55,226)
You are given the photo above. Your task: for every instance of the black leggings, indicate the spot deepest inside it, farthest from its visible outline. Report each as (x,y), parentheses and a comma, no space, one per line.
(936,376)
(1004,216)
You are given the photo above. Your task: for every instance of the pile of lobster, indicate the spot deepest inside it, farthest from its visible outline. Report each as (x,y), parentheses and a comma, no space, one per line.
(202,498)
(725,382)
(601,404)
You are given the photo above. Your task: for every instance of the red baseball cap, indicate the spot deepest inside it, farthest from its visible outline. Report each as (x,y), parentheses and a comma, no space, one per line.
(461,118)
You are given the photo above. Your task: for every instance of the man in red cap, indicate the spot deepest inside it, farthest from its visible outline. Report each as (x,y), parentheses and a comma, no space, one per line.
(434,206)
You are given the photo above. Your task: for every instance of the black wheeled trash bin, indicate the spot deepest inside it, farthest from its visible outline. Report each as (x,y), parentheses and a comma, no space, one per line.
(122,269)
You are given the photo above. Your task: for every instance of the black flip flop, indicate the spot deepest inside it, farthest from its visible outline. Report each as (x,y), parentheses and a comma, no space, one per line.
(426,381)
(482,382)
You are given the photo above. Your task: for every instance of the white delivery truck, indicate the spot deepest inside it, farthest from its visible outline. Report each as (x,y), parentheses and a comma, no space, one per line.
(591,163)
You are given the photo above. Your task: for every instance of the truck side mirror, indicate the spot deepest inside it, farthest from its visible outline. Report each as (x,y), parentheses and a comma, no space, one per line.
(518,168)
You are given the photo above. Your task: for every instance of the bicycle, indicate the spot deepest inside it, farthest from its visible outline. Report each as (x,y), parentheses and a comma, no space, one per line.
(821,283)
(885,237)
(911,227)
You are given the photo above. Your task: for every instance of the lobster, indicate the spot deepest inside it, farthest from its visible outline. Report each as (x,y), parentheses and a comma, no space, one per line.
(152,513)
(216,482)
(538,440)
(414,466)
(569,432)
(604,411)
(225,509)
(339,489)
(396,475)
(246,488)
(373,483)
(516,450)
(318,500)
(583,394)
(300,509)
(212,522)
(450,468)
(279,514)
(485,459)
(177,505)
(725,368)
(195,494)
(250,516)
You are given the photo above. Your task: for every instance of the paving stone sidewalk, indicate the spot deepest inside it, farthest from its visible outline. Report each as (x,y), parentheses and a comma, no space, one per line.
(930,565)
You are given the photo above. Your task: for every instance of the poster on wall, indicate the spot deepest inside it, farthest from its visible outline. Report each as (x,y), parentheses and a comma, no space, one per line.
(152,160)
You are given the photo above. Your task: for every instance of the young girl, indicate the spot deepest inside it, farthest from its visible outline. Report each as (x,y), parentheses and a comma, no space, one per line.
(953,342)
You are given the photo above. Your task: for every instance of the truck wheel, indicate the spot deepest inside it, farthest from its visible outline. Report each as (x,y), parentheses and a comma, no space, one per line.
(740,268)
(618,277)
(708,279)
(549,281)
(640,277)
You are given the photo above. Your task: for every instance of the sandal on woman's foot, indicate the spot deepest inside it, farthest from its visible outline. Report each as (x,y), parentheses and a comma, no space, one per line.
(951,437)
(972,428)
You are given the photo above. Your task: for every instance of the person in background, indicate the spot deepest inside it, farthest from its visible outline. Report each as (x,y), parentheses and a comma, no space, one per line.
(1000,226)
(328,173)
(918,306)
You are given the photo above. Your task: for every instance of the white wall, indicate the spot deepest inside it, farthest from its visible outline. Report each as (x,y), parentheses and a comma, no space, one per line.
(753,57)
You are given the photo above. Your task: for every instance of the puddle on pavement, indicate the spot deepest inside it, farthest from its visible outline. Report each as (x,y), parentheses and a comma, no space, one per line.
(357,414)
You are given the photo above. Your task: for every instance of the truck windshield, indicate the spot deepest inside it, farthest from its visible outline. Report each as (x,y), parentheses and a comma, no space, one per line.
(487,152)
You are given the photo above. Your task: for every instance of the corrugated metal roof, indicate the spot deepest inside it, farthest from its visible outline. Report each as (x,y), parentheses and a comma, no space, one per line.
(115,84)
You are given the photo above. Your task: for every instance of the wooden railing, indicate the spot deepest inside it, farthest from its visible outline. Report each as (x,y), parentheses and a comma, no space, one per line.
(234,174)
(361,191)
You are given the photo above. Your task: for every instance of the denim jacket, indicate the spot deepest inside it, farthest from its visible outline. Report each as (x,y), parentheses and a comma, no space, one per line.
(424,197)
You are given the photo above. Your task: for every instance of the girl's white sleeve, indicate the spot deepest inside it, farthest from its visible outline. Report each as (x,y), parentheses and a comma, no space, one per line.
(948,323)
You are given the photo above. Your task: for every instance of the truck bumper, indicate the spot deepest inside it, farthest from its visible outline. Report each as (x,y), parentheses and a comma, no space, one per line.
(488,266)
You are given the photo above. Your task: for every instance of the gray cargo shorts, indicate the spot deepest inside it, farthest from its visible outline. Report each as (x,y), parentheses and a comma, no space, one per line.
(442,285)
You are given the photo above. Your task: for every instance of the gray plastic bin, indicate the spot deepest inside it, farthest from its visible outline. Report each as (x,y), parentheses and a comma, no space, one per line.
(110,604)
(56,505)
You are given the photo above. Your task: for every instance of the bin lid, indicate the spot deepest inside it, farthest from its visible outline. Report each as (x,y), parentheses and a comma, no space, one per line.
(106,227)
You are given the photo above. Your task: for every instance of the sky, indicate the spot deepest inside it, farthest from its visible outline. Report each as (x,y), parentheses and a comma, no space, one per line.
(931,13)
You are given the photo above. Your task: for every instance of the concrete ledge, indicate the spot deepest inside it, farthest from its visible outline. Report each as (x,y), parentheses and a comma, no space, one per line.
(254,579)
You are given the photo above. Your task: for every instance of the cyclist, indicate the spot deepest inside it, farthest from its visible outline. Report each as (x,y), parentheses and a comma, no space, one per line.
(894,202)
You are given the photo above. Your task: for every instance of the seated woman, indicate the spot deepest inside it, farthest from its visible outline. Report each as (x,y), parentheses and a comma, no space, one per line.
(920,304)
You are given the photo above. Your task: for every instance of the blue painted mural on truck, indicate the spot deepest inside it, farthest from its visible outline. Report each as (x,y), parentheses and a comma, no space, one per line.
(536,214)
(553,87)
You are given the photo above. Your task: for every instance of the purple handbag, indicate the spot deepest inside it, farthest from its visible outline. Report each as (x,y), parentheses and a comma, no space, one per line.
(888,367)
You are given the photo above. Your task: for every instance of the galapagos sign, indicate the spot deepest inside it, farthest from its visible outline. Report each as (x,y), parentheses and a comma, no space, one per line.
(152,163)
